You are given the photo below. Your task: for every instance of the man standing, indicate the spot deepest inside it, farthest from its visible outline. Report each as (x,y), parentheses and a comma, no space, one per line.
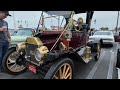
(5,37)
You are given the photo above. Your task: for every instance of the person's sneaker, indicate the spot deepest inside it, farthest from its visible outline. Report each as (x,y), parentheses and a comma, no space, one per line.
(1,70)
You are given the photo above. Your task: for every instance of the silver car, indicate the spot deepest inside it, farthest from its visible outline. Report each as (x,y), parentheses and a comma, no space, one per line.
(104,37)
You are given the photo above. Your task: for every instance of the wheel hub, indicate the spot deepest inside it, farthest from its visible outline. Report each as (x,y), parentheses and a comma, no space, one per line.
(19,61)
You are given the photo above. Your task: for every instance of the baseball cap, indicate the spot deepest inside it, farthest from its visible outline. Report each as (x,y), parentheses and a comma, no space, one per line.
(6,12)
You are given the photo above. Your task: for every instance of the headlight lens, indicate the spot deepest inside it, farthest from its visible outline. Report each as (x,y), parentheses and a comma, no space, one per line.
(40,52)
(38,55)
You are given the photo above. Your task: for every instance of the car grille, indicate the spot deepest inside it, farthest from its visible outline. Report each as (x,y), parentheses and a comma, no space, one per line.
(30,53)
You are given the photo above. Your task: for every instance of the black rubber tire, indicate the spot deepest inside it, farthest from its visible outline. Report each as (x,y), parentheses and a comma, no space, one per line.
(118,59)
(97,56)
(94,47)
(101,43)
(56,65)
(5,68)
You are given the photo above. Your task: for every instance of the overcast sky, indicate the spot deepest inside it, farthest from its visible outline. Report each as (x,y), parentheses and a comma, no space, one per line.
(103,19)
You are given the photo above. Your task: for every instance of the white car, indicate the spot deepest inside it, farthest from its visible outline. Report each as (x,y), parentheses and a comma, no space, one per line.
(106,37)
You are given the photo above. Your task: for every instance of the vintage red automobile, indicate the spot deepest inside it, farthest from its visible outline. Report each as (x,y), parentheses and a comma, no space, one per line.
(50,53)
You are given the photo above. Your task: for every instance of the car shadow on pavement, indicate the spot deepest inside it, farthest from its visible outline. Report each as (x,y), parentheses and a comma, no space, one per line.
(26,75)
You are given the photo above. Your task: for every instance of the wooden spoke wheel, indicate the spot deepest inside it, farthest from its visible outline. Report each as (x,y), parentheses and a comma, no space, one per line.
(61,69)
(64,72)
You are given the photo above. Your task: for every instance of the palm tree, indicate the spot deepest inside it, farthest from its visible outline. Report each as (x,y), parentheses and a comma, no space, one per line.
(106,28)
(102,28)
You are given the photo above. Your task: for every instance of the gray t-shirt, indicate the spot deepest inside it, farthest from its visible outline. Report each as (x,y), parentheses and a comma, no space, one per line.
(3,35)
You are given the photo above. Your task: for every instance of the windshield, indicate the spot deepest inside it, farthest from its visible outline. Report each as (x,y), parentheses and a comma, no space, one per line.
(102,33)
(54,22)
(11,32)
(24,32)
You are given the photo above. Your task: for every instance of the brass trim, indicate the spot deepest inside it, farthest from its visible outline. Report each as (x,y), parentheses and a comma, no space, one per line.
(42,50)
(63,46)
(88,53)
(34,40)
(20,46)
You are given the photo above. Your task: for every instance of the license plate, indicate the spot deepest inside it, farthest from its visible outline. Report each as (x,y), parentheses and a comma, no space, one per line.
(32,68)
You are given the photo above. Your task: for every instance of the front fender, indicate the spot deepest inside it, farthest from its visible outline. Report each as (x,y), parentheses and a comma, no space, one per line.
(12,46)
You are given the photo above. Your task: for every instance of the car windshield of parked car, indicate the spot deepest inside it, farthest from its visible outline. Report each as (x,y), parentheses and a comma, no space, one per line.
(23,32)
(11,32)
(102,33)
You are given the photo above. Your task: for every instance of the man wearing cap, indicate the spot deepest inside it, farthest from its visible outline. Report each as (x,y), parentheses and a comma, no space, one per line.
(5,37)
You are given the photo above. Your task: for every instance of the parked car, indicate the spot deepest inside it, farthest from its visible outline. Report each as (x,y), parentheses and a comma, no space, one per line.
(51,53)
(21,35)
(12,31)
(104,37)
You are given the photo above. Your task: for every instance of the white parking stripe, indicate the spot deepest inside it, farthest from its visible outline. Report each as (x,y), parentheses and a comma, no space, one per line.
(110,70)
(90,75)
(111,50)
(118,73)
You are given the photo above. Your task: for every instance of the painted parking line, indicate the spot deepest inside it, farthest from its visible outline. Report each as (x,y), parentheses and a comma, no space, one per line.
(111,50)
(110,70)
(90,75)
(118,73)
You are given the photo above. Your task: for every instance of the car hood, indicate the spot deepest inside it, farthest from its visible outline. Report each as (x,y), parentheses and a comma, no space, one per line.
(18,38)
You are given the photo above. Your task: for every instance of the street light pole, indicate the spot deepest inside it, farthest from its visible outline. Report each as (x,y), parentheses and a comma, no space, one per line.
(14,21)
(117,21)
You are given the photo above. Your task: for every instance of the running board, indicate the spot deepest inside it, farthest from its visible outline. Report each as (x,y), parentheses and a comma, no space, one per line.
(86,60)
